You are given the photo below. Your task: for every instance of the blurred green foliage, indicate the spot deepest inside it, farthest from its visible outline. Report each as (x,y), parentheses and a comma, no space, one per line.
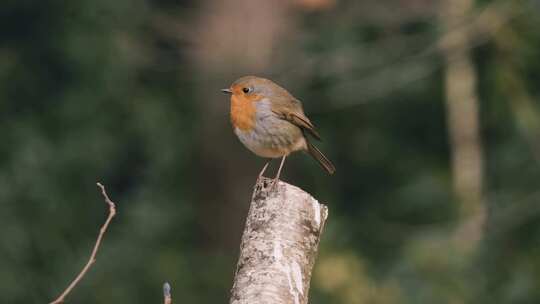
(121,92)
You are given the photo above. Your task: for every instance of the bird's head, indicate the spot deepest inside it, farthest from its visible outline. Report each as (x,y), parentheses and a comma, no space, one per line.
(253,88)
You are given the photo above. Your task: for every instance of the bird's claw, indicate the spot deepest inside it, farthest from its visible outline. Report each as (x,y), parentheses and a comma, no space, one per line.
(274,185)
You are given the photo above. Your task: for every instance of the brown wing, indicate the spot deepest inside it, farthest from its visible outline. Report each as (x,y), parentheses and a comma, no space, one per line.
(291,110)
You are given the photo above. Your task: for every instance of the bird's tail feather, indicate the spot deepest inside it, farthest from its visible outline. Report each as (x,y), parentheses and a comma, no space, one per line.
(325,163)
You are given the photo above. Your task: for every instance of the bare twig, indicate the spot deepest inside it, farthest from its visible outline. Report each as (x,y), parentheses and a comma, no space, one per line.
(167,293)
(92,259)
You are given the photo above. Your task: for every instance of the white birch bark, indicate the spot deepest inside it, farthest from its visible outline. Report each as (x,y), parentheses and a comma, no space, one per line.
(279,246)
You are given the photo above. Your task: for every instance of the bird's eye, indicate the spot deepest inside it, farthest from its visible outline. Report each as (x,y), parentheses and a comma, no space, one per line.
(246,90)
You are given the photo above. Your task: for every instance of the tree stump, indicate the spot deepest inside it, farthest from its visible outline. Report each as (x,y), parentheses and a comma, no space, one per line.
(279,245)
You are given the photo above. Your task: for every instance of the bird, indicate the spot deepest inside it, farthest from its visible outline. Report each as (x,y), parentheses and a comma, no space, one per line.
(271,122)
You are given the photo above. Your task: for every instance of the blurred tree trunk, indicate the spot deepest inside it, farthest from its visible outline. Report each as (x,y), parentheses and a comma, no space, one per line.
(463,122)
(232,38)
(279,246)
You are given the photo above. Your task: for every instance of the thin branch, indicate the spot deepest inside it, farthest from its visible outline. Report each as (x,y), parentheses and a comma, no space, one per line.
(92,259)
(167,293)
(480,26)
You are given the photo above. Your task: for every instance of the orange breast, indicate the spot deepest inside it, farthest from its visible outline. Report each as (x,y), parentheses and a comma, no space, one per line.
(242,112)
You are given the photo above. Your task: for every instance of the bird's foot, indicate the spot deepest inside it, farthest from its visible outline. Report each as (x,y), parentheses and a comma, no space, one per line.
(261,174)
(274,186)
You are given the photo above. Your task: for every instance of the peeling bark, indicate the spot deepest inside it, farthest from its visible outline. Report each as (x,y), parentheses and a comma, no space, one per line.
(279,246)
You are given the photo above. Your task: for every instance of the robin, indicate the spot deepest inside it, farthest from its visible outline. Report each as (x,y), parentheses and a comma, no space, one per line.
(271,122)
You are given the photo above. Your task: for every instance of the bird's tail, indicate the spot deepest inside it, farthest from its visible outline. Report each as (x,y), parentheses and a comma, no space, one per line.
(325,163)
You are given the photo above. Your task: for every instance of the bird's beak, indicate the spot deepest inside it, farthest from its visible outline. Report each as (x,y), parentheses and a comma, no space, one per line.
(226,91)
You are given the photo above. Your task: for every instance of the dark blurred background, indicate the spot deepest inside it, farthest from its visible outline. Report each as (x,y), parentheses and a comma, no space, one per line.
(429,109)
